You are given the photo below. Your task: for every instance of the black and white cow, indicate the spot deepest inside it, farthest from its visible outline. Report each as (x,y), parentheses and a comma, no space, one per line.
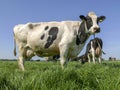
(94,50)
(65,38)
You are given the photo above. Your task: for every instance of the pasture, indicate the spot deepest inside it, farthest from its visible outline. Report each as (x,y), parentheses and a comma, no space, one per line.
(50,76)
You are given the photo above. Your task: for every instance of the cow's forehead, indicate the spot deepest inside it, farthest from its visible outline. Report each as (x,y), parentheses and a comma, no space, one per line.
(92,15)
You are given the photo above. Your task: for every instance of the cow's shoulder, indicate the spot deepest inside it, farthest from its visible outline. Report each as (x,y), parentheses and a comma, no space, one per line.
(71,25)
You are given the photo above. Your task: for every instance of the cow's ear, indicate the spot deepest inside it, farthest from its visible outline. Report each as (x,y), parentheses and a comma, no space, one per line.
(82,17)
(101,18)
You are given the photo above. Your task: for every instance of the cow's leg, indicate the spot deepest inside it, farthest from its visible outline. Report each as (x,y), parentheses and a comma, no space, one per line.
(63,55)
(63,61)
(21,57)
(93,55)
(93,52)
(21,63)
(99,59)
(88,58)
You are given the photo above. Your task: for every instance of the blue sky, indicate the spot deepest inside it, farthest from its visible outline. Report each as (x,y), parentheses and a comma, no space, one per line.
(13,12)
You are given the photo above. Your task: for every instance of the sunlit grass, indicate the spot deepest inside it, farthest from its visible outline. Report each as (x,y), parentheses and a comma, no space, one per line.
(50,76)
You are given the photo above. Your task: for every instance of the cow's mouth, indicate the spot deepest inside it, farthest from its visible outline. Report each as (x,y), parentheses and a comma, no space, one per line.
(96,29)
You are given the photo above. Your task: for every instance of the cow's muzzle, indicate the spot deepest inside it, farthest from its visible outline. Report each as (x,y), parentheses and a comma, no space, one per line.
(96,29)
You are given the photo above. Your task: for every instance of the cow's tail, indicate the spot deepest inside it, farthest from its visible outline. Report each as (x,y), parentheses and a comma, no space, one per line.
(14,45)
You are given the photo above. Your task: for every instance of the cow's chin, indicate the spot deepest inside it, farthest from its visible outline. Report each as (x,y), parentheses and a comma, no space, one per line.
(92,32)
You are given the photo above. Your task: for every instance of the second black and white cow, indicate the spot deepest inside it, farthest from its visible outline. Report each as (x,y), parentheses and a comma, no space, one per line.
(94,50)
(66,38)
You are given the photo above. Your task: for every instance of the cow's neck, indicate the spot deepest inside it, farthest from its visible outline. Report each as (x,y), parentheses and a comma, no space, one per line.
(82,34)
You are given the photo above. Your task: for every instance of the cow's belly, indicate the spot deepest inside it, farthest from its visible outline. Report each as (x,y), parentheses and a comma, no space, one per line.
(45,54)
(40,50)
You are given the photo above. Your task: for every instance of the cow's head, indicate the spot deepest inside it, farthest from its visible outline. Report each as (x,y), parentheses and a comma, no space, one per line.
(91,22)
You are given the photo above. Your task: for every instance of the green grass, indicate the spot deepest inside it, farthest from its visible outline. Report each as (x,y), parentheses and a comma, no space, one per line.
(50,76)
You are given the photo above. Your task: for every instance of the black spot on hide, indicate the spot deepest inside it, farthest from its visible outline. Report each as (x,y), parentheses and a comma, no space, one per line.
(52,36)
(42,37)
(30,26)
(46,28)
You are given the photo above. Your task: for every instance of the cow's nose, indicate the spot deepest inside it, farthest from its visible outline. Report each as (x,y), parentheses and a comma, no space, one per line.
(96,29)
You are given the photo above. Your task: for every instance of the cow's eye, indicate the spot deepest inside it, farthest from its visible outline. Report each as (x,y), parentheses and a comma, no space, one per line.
(88,20)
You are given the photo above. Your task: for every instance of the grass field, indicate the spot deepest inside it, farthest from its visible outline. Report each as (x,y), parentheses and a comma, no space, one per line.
(50,76)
